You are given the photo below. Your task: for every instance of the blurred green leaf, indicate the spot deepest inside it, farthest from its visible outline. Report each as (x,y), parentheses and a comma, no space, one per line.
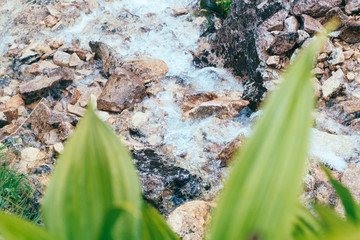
(14,228)
(260,198)
(93,175)
(154,227)
(351,208)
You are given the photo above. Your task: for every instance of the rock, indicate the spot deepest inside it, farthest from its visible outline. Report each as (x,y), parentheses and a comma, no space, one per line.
(179,10)
(42,67)
(30,159)
(273,61)
(275,22)
(164,185)
(335,13)
(50,21)
(302,36)
(351,106)
(311,25)
(74,60)
(3,120)
(327,47)
(228,150)
(291,24)
(221,107)
(58,148)
(121,92)
(351,32)
(85,92)
(332,85)
(15,102)
(193,100)
(55,118)
(65,130)
(61,58)
(314,8)
(351,179)
(147,69)
(348,54)
(11,113)
(336,57)
(322,57)
(189,221)
(263,41)
(38,120)
(352,6)
(282,43)
(43,49)
(56,42)
(75,109)
(350,76)
(51,137)
(139,119)
(235,43)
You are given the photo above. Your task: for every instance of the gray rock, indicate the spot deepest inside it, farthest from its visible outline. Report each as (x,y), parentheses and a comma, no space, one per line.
(275,22)
(121,92)
(301,36)
(352,6)
(236,44)
(336,57)
(291,24)
(282,43)
(314,8)
(351,32)
(311,25)
(263,41)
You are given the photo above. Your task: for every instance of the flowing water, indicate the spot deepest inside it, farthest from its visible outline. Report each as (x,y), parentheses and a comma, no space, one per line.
(148,27)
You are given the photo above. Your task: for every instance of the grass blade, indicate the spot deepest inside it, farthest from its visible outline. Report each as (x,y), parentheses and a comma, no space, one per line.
(94,174)
(260,197)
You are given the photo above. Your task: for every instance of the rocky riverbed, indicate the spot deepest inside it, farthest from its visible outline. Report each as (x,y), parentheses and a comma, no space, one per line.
(180,87)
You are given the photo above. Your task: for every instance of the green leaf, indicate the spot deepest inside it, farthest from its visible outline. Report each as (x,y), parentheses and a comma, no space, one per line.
(351,208)
(260,198)
(94,174)
(154,227)
(14,228)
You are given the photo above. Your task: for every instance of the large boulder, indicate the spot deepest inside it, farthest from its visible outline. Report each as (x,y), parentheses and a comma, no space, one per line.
(314,8)
(235,42)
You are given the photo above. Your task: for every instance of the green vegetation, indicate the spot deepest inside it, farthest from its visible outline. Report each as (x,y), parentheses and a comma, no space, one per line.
(16,195)
(95,194)
(220,7)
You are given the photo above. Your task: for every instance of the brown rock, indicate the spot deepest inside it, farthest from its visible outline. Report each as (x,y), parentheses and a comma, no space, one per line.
(302,36)
(11,113)
(110,58)
(263,41)
(38,120)
(275,22)
(75,109)
(332,85)
(121,92)
(351,179)
(351,106)
(273,61)
(58,148)
(9,129)
(41,67)
(147,69)
(291,24)
(227,151)
(74,60)
(65,130)
(179,10)
(55,118)
(15,102)
(282,43)
(57,42)
(61,58)
(193,100)
(311,25)
(190,219)
(335,13)
(222,108)
(351,32)
(51,137)
(84,93)
(314,8)
(50,21)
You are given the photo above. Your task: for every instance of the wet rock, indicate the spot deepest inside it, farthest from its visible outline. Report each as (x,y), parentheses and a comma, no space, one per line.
(235,42)
(164,185)
(146,68)
(121,92)
(311,25)
(314,8)
(61,58)
(351,32)
(39,87)
(335,13)
(352,6)
(74,60)
(336,57)
(189,221)
(351,179)
(222,108)
(282,43)
(193,100)
(332,85)
(275,22)
(179,10)
(228,150)
(351,106)
(291,24)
